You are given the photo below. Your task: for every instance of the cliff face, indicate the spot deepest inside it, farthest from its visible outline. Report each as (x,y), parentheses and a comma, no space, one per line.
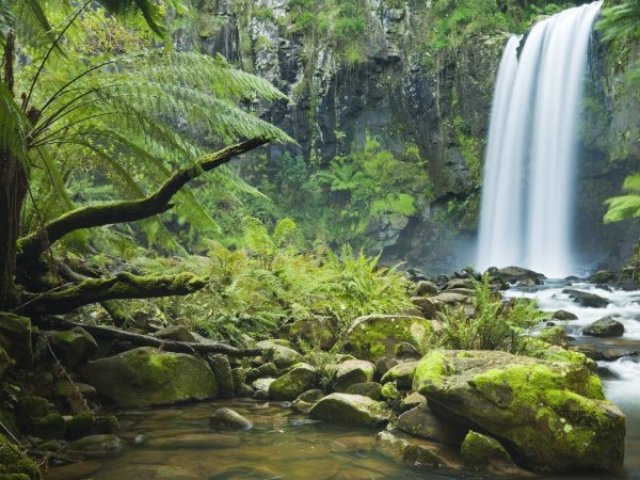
(402,90)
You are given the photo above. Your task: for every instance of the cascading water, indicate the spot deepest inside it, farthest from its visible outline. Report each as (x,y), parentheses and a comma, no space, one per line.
(527,198)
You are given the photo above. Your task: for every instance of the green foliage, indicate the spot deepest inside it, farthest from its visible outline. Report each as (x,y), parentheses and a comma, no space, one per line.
(625,207)
(494,325)
(127,121)
(269,281)
(619,26)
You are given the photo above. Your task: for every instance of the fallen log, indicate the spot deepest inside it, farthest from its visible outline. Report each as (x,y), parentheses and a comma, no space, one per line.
(108,333)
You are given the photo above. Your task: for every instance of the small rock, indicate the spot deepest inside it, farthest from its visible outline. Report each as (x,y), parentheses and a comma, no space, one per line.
(283,357)
(351,372)
(605,327)
(81,425)
(73,347)
(65,389)
(261,388)
(298,379)
(425,288)
(428,307)
(266,370)
(222,370)
(372,390)
(414,399)
(224,419)
(564,315)
(390,391)
(106,424)
(402,374)
(351,409)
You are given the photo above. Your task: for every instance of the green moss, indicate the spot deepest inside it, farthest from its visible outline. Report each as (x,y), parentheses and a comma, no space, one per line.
(431,371)
(479,451)
(13,464)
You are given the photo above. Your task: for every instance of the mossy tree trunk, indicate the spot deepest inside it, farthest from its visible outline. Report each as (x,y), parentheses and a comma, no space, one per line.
(13,190)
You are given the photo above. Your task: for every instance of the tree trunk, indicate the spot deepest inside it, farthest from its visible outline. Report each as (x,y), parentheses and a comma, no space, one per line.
(13,188)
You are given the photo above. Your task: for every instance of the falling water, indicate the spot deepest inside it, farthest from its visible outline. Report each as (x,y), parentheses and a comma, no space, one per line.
(527,199)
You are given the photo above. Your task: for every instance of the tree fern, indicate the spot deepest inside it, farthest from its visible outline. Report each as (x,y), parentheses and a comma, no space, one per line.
(627,206)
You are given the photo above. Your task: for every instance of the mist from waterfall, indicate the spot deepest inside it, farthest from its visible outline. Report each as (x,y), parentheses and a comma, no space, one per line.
(528,197)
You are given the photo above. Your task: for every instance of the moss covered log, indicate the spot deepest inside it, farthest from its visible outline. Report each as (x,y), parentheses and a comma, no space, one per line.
(124,285)
(31,246)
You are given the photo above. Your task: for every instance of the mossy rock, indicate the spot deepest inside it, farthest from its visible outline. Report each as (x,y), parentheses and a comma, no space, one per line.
(351,372)
(73,347)
(317,331)
(402,374)
(226,420)
(480,451)
(14,464)
(297,380)
(280,355)
(147,376)
(15,338)
(553,415)
(48,427)
(356,410)
(375,336)
(372,390)
(224,376)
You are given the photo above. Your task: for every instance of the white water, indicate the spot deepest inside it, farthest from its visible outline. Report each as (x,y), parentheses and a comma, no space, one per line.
(527,198)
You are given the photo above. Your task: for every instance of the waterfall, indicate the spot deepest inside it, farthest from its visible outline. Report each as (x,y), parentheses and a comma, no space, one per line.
(527,196)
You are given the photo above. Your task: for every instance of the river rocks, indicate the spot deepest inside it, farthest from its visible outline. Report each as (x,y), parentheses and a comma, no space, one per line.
(564,315)
(15,338)
(372,390)
(283,357)
(605,327)
(80,425)
(603,277)
(452,298)
(298,379)
(402,374)
(97,446)
(14,465)
(419,421)
(349,409)
(553,416)
(73,347)
(306,400)
(515,275)
(266,370)
(586,299)
(224,377)
(427,305)
(480,452)
(374,336)
(225,419)
(261,388)
(426,288)
(146,376)
(416,451)
(351,372)
(37,418)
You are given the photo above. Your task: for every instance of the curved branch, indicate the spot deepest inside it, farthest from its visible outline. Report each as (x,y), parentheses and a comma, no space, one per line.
(123,285)
(108,333)
(32,246)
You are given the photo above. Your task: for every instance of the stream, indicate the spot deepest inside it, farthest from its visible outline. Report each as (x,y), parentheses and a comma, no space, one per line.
(175,443)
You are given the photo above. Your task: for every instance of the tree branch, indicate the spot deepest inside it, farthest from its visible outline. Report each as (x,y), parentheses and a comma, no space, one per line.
(123,285)
(32,246)
(51,323)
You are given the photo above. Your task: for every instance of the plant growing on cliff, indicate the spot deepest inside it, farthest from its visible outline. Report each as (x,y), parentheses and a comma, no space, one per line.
(493,325)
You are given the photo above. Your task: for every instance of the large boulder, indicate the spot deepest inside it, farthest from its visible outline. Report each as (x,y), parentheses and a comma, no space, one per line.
(297,380)
(551,416)
(15,338)
(516,275)
(375,336)
(147,376)
(586,299)
(605,327)
(350,409)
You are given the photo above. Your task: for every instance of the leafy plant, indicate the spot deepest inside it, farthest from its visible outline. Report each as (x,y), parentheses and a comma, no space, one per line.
(626,206)
(493,325)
